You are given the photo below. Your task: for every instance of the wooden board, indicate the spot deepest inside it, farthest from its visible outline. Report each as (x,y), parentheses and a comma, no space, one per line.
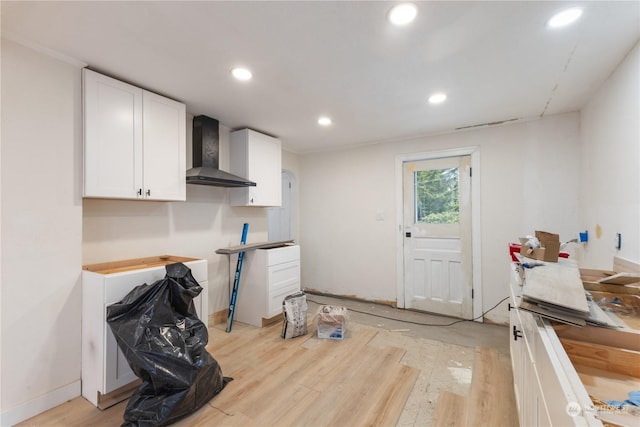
(621,279)
(135,264)
(621,265)
(605,385)
(556,283)
(491,386)
(612,359)
(593,275)
(252,246)
(618,289)
(610,337)
(451,410)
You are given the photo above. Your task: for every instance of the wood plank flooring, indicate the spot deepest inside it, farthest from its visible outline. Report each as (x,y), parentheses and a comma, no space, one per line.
(373,377)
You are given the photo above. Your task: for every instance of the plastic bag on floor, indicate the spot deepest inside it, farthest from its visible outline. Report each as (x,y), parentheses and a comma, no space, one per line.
(331,321)
(158,330)
(294,308)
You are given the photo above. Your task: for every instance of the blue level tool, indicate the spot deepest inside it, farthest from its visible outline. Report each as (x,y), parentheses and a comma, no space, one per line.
(236,280)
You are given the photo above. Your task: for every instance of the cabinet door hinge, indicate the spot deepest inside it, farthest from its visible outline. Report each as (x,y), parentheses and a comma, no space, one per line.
(470,172)
(471,293)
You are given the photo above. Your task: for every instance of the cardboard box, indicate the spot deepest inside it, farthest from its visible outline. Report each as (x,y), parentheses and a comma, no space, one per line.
(549,250)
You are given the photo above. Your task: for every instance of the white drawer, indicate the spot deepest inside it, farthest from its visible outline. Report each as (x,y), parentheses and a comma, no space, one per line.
(120,284)
(276,298)
(276,256)
(284,275)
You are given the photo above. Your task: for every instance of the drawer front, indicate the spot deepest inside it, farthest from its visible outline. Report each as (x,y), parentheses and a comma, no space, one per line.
(118,285)
(283,276)
(276,297)
(281,255)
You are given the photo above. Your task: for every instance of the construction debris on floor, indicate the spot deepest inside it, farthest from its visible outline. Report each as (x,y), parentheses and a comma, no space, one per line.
(294,308)
(331,322)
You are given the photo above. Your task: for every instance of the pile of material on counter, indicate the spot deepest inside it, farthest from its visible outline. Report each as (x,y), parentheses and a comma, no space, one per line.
(554,290)
(596,316)
(617,294)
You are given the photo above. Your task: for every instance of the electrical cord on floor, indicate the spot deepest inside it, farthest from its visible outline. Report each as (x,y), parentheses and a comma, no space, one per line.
(419,323)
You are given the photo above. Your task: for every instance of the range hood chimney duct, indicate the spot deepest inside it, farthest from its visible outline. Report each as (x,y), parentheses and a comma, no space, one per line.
(206,152)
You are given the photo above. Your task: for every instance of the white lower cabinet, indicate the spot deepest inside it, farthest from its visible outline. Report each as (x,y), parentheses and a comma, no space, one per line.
(104,366)
(545,381)
(268,275)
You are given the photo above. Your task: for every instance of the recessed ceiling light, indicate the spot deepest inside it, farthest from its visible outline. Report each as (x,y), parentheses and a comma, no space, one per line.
(324,121)
(402,13)
(437,98)
(564,18)
(241,74)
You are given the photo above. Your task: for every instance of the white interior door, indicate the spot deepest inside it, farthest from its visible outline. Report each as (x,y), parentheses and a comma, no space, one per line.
(437,242)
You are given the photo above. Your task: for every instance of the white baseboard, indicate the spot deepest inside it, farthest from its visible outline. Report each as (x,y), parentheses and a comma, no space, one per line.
(39,404)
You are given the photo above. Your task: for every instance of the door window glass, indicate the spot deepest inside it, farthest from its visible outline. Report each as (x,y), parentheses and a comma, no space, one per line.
(436,196)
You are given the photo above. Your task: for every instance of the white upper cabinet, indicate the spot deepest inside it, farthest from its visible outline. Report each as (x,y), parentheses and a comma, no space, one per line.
(134,142)
(164,137)
(257,157)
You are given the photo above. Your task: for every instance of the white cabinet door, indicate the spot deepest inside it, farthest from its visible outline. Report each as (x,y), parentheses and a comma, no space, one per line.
(257,157)
(164,165)
(112,136)
(134,142)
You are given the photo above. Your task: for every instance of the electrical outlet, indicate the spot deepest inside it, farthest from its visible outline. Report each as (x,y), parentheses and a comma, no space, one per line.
(584,236)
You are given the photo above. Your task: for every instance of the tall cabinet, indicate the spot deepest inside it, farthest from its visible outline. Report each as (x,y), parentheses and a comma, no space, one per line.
(134,141)
(257,157)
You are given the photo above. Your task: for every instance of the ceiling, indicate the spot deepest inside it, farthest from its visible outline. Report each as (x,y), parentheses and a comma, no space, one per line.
(495,60)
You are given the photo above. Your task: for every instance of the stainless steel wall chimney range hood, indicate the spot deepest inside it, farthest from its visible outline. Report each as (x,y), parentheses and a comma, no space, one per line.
(206,151)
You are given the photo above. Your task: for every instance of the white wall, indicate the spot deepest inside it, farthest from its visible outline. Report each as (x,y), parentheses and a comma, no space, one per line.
(610,156)
(41,231)
(529,175)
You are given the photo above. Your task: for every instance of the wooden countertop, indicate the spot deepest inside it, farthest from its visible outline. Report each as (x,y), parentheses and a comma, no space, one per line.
(253,246)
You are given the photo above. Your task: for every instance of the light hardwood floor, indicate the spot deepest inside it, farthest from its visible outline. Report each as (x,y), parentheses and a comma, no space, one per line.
(372,377)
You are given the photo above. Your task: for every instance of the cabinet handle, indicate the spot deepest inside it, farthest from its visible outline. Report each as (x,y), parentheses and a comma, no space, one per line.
(148,193)
(139,191)
(516,333)
(510,307)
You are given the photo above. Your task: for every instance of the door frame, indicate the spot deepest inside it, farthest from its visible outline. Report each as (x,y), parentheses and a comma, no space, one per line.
(476,266)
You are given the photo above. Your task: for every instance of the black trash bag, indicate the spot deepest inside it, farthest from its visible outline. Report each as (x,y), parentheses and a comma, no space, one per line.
(158,330)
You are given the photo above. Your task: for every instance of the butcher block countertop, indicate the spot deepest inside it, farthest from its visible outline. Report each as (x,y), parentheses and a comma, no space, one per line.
(135,264)
(253,246)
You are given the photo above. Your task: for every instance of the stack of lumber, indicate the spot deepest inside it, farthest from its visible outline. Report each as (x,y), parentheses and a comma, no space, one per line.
(610,281)
(555,291)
